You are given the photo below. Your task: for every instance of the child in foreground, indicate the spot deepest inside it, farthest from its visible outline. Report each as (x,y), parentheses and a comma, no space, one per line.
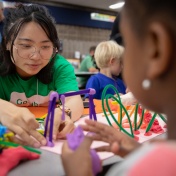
(149,33)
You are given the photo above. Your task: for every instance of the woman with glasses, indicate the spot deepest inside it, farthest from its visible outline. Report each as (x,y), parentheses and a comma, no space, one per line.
(30,70)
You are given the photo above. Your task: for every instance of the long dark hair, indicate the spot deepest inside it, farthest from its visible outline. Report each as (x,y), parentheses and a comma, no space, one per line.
(14,20)
(115,32)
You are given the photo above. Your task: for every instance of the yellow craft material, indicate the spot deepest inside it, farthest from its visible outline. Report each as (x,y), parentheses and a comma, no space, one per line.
(7,136)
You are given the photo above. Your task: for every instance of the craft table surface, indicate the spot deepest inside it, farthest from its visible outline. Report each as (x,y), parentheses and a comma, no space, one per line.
(49,162)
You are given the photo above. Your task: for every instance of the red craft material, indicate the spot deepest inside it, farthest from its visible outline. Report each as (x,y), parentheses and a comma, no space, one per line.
(9,158)
(136,132)
(149,133)
(136,138)
(157,129)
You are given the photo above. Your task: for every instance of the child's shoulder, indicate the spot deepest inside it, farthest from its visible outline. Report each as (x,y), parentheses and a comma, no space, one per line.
(99,76)
(120,81)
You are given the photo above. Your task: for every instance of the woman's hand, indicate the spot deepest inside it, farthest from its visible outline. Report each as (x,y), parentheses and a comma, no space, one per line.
(22,122)
(77,162)
(119,143)
(62,128)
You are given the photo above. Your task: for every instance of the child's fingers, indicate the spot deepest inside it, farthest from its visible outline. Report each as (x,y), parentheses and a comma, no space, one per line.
(67,128)
(105,148)
(99,128)
(86,143)
(66,149)
(97,137)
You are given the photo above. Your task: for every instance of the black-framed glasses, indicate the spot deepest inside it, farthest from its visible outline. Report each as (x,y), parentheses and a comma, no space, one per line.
(27,51)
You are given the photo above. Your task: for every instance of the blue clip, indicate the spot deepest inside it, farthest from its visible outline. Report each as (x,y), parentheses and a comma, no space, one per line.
(3,130)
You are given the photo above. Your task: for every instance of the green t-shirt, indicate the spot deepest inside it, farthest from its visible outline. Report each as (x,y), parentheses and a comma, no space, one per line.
(86,64)
(32,92)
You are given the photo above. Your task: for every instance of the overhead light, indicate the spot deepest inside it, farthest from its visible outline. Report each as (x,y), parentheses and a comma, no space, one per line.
(8,4)
(117,5)
(102,17)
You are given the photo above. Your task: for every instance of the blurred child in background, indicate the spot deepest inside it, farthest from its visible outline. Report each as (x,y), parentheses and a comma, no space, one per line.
(108,57)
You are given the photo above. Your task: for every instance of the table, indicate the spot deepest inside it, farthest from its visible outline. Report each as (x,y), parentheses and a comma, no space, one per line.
(51,164)
(85,74)
(48,164)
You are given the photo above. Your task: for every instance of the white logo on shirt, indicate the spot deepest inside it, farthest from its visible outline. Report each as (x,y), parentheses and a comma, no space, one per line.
(20,99)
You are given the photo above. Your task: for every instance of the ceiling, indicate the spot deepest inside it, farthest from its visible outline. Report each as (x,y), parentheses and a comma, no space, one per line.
(98,4)
(95,4)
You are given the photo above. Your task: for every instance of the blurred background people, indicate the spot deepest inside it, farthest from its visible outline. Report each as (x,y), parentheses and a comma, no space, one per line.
(88,64)
(108,56)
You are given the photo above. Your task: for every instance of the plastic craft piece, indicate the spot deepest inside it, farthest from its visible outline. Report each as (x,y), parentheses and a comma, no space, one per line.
(92,113)
(63,104)
(54,96)
(75,139)
(3,130)
(90,92)
(119,124)
(50,117)
(143,119)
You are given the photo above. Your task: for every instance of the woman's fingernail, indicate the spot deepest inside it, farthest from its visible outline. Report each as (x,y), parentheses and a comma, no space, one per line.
(43,142)
(90,134)
(36,145)
(54,137)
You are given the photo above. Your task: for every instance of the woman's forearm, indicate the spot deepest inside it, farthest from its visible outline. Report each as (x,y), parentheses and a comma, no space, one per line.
(75,104)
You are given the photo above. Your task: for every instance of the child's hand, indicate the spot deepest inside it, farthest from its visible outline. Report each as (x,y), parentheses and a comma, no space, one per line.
(127,90)
(128,99)
(119,143)
(22,122)
(79,162)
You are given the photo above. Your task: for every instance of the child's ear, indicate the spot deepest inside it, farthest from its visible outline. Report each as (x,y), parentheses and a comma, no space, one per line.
(112,60)
(159,50)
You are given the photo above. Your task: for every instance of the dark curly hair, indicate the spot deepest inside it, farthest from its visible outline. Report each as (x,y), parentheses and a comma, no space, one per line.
(142,12)
(14,20)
